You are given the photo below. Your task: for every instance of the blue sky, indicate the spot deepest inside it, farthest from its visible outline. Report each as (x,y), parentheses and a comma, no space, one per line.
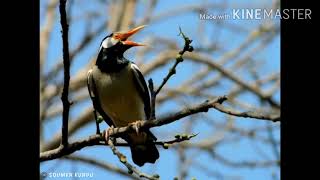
(166,165)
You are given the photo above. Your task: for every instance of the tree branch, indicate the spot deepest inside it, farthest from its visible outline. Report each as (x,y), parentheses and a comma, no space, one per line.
(247,114)
(178,138)
(242,164)
(76,124)
(80,47)
(131,169)
(100,164)
(95,139)
(66,63)
(72,147)
(179,59)
(171,72)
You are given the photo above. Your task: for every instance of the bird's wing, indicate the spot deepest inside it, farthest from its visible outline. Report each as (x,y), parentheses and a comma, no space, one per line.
(95,99)
(142,88)
(144,93)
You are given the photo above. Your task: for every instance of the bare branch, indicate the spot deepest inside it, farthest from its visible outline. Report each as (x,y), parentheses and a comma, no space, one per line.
(171,72)
(100,164)
(66,62)
(85,41)
(72,147)
(131,168)
(204,107)
(75,125)
(178,138)
(248,114)
(242,164)
(206,60)
(179,59)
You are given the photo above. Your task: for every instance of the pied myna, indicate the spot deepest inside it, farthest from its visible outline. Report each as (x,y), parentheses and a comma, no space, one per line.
(120,94)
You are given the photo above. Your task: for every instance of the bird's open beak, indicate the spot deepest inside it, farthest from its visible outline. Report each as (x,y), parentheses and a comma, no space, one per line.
(123,36)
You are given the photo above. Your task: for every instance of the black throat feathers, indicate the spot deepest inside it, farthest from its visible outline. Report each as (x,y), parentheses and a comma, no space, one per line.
(109,61)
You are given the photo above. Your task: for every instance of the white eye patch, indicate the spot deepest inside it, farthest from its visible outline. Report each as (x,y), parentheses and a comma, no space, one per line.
(109,42)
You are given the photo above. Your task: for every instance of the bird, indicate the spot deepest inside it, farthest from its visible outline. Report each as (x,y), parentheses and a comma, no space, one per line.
(120,94)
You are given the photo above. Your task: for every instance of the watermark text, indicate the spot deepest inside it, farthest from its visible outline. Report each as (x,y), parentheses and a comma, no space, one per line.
(258,14)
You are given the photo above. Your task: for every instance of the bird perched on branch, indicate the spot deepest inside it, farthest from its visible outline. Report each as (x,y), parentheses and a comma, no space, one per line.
(120,94)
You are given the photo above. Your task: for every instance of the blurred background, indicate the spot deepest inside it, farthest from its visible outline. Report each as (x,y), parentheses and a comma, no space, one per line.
(227,147)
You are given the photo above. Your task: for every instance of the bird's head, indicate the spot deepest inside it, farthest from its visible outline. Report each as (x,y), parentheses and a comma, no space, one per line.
(117,43)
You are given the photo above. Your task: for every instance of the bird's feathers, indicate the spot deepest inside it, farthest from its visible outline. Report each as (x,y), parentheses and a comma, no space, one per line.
(95,98)
(142,88)
(124,97)
(118,96)
(144,153)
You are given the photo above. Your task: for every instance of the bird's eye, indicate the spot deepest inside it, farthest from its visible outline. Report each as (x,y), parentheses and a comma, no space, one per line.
(116,36)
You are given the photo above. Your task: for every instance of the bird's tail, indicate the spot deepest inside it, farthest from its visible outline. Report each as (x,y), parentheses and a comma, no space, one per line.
(144,153)
(143,148)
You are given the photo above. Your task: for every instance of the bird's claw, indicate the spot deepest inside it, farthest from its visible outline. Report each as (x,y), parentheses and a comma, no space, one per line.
(136,125)
(108,132)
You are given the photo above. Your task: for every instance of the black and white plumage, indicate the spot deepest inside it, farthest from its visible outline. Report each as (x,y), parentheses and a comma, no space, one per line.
(120,94)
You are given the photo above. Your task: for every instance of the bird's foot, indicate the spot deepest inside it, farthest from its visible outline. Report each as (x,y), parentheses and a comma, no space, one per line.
(108,132)
(136,125)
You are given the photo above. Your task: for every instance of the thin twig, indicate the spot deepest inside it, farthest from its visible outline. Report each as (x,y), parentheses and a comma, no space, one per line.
(179,59)
(97,163)
(131,169)
(242,164)
(247,114)
(171,72)
(178,138)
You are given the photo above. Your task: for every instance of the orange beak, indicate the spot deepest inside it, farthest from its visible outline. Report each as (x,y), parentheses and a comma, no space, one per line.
(123,36)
